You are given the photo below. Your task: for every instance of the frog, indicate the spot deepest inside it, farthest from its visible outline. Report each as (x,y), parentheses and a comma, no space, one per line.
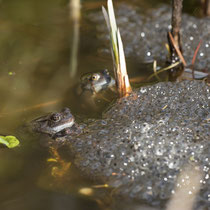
(55,124)
(63,122)
(97,81)
(143,141)
(93,92)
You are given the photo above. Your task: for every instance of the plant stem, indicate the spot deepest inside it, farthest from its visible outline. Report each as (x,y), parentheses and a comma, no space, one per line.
(176,24)
(176,20)
(75,16)
(117,51)
(207,7)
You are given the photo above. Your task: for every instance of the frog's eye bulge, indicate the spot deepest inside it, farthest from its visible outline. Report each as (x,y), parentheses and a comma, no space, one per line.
(95,77)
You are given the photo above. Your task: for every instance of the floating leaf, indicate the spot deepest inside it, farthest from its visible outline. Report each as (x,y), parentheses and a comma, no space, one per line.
(9,141)
(11,73)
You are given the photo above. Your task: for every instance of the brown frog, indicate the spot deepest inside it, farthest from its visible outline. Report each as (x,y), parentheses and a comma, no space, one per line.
(94,91)
(56,124)
(96,82)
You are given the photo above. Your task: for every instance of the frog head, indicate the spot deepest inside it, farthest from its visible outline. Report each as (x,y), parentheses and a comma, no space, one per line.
(54,123)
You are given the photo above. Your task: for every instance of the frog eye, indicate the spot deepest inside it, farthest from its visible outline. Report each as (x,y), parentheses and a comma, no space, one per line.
(95,77)
(56,117)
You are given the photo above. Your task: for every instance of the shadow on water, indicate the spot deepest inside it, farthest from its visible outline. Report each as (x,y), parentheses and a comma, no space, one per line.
(35,45)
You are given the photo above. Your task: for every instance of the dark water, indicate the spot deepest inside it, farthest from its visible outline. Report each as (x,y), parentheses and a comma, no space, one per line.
(35,49)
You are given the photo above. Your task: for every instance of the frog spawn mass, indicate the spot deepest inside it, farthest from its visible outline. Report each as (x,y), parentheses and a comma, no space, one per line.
(144,34)
(145,139)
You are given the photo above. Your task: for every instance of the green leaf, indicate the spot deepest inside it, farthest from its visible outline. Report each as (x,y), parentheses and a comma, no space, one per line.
(9,141)
(112,21)
(114,51)
(106,17)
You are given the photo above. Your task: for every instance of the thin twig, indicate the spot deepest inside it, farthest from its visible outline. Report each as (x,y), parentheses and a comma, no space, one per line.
(174,40)
(155,70)
(164,69)
(194,57)
(177,49)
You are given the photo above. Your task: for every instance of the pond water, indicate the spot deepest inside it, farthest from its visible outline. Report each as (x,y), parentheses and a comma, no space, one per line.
(35,50)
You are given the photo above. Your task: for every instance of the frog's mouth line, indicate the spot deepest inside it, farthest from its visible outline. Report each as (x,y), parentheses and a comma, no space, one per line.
(61,127)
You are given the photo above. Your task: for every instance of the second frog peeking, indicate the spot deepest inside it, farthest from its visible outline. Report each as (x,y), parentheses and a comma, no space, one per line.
(92,94)
(96,82)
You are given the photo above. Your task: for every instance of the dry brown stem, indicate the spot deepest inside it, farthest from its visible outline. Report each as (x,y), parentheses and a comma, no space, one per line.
(194,57)
(206,7)
(117,51)
(176,47)
(176,20)
(174,53)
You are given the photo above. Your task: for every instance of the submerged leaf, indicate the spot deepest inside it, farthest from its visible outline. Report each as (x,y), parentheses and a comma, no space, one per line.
(9,141)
